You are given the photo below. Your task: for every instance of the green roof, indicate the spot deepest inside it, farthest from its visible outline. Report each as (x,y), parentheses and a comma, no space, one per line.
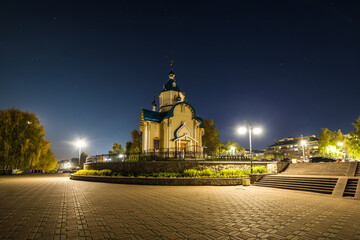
(159,116)
(153,116)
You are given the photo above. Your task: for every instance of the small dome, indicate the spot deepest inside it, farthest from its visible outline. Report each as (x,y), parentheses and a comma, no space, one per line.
(171,74)
(154,103)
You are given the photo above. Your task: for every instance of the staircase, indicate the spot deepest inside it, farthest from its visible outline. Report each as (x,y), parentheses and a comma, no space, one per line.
(311,184)
(350,188)
(357,171)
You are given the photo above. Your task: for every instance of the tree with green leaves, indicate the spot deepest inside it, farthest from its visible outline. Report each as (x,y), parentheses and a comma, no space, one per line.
(210,138)
(22,142)
(328,143)
(273,153)
(117,148)
(128,147)
(83,157)
(227,146)
(135,142)
(353,142)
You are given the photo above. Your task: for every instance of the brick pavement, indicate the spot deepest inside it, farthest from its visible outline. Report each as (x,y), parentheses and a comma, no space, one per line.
(54,207)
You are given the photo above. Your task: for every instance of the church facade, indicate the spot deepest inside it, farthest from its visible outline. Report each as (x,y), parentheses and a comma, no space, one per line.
(173,129)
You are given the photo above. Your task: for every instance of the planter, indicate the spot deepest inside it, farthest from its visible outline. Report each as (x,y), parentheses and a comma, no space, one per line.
(163,181)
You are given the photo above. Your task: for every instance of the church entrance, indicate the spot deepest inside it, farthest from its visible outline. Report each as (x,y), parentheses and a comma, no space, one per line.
(183,146)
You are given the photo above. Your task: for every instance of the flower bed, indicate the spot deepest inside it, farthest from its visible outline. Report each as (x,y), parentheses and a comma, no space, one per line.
(188,173)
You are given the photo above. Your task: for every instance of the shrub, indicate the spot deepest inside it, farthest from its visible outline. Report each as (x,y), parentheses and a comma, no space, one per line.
(229,173)
(225,173)
(105,172)
(85,172)
(166,175)
(191,173)
(206,173)
(133,158)
(259,170)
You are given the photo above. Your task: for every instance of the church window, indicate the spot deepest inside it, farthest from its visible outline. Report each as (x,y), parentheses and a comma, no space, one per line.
(183,108)
(156,144)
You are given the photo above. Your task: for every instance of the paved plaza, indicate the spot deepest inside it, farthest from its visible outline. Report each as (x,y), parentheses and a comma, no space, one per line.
(55,207)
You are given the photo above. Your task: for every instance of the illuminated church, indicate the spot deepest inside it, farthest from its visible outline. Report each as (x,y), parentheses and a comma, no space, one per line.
(173,129)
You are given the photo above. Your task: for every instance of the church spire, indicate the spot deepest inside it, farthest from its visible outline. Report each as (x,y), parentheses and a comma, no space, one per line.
(172,74)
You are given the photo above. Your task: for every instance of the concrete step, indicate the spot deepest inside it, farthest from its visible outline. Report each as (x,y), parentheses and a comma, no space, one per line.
(357,171)
(298,186)
(350,188)
(328,169)
(301,184)
(303,178)
(325,191)
(311,184)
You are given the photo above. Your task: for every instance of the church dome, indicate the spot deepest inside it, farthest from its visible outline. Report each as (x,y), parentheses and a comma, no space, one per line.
(171,85)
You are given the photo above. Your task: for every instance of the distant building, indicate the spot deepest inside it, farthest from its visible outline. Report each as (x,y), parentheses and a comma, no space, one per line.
(174,130)
(292,148)
(256,154)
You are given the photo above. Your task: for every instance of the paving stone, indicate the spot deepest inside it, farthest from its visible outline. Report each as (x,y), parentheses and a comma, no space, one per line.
(55,207)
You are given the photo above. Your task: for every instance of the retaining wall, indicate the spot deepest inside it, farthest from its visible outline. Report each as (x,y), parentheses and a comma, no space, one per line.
(177,166)
(163,181)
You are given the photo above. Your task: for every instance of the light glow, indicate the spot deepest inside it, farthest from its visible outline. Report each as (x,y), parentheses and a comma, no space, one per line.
(303,142)
(257,130)
(80,143)
(242,130)
(67,165)
(340,144)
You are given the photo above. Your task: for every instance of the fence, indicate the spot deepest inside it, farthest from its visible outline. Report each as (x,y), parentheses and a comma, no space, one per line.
(112,157)
(174,153)
(148,155)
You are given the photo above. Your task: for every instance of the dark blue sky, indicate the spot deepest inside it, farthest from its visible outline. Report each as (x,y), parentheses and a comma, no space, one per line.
(86,68)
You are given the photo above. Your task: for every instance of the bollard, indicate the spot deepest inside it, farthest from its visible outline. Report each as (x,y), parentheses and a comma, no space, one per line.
(246,182)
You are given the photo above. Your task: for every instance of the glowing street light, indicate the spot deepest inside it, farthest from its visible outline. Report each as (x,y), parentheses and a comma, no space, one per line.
(80,143)
(242,130)
(251,130)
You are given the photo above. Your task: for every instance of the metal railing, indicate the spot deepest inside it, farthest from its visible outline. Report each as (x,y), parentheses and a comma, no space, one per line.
(175,153)
(112,157)
(149,155)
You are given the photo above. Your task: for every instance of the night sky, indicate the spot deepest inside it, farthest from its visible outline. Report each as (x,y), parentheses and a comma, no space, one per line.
(86,68)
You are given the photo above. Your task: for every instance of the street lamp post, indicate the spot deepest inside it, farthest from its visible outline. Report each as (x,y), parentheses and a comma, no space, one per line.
(80,144)
(251,130)
(303,142)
